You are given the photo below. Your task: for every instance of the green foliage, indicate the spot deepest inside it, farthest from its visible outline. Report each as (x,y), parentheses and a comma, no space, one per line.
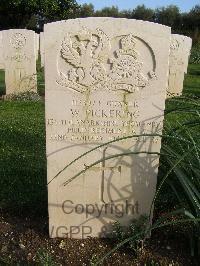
(194,17)
(108,12)
(152,263)
(183,178)
(52,10)
(179,179)
(40,78)
(160,223)
(181,23)
(192,81)
(32,14)
(94,260)
(44,258)
(141,12)
(126,13)
(169,16)
(161,262)
(195,54)
(136,228)
(4,261)
(86,10)
(16,13)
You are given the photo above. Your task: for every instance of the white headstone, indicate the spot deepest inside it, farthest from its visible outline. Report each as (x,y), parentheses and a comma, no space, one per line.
(178,63)
(19,60)
(42,48)
(1,51)
(37,45)
(105,78)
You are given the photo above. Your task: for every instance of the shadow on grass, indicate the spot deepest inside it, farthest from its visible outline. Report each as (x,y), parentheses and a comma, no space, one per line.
(2,83)
(22,158)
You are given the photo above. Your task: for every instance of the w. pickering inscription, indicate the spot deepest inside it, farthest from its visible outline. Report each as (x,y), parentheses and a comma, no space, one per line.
(94,65)
(100,124)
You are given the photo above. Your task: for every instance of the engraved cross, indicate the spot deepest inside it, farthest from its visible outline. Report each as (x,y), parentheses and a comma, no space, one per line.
(102,168)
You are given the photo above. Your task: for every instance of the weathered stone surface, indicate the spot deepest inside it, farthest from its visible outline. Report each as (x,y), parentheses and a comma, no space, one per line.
(42,48)
(19,60)
(37,45)
(1,51)
(178,62)
(105,79)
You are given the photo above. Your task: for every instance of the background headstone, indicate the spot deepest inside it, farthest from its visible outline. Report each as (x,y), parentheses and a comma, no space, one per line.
(178,63)
(1,51)
(37,39)
(42,48)
(105,78)
(19,60)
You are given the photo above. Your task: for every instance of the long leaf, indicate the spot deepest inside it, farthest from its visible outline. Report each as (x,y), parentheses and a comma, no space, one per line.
(178,161)
(108,158)
(113,141)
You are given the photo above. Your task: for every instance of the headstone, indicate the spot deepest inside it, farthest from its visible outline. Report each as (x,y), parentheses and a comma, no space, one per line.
(19,60)
(37,39)
(178,63)
(42,48)
(1,51)
(105,79)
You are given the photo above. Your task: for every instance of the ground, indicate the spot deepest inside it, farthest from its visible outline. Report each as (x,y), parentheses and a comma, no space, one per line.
(25,241)
(24,236)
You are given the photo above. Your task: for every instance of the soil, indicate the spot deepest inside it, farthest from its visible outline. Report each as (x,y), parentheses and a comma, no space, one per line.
(25,240)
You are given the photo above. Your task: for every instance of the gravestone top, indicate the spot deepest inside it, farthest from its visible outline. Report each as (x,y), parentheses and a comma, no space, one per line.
(105,79)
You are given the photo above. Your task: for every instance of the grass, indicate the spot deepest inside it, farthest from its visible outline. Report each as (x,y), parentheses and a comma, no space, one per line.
(192,80)
(22,160)
(182,120)
(2,82)
(22,153)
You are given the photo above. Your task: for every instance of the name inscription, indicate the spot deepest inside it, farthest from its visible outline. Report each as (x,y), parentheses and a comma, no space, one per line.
(91,122)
